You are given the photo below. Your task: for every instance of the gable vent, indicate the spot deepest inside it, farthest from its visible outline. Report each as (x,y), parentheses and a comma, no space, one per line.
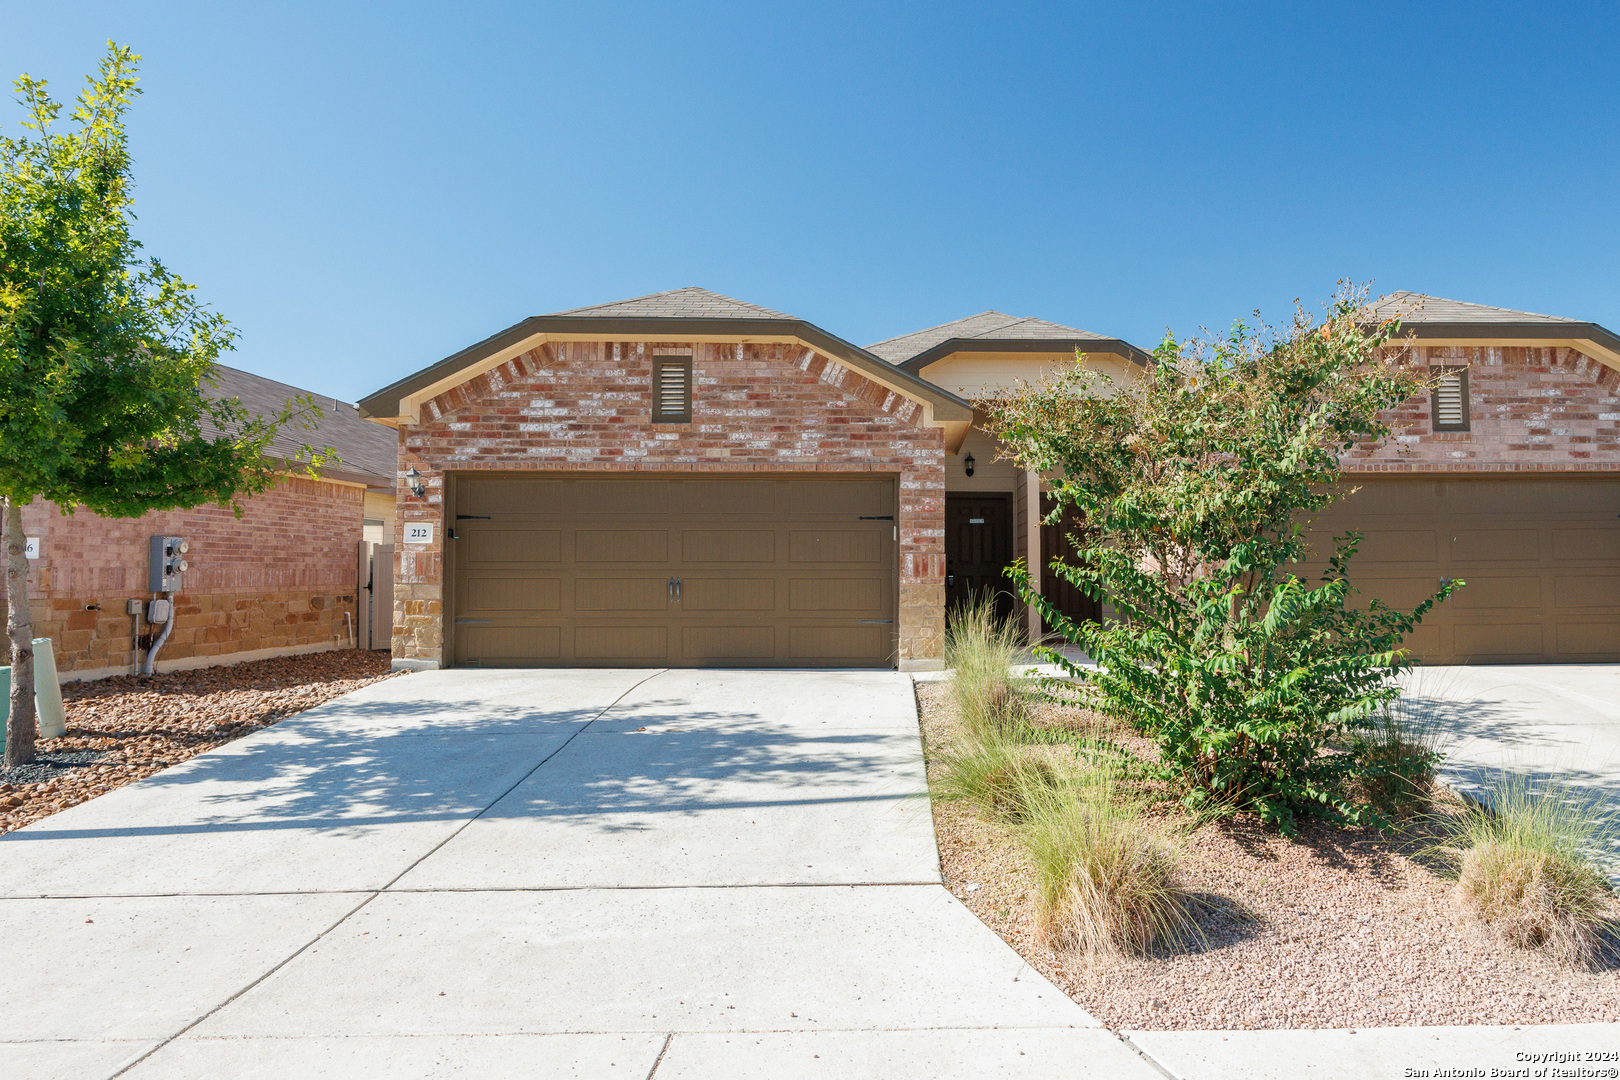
(1450,399)
(672,390)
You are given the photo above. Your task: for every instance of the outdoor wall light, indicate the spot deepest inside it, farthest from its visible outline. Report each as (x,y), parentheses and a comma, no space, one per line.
(967,463)
(418,488)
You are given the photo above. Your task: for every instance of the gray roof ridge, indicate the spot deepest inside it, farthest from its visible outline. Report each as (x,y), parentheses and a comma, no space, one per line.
(752,310)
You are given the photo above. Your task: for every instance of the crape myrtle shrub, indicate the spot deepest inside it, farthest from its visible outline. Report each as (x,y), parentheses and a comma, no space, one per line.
(1195,480)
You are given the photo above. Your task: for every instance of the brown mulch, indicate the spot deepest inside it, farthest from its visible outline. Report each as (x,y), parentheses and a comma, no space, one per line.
(143,725)
(1341,928)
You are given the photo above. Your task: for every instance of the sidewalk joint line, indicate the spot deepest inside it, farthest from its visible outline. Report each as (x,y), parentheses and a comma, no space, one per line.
(1145,1056)
(659,1060)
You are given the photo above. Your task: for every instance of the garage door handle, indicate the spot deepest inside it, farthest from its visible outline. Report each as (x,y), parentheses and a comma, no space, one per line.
(472,622)
(876,622)
(675,589)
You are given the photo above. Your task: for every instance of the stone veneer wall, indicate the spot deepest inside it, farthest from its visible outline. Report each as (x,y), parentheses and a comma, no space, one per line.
(587,406)
(276,581)
(1531,410)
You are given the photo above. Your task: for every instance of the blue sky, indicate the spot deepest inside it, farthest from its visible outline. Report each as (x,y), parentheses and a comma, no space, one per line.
(365,188)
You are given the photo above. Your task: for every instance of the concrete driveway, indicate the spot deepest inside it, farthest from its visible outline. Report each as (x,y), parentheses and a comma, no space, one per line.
(535,874)
(1543,721)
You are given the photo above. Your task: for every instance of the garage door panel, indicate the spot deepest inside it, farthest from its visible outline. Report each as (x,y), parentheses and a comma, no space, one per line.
(728,546)
(1498,640)
(838,594)
(509,646)
(482,593)
(832,546)
(622,594)
(728,594)
(1495,545)
(494,546)
(1578,591)
(621,546)
(728,642)
(644,498)
(481,495)
(1485,591)
(1396,592)
(836,642)
(1587,640)
(1398,546)
(730,498)
(813,497)
(1600,544)
(621,642)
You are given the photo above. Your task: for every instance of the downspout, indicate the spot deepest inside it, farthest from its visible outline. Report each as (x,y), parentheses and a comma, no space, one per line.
(152,653)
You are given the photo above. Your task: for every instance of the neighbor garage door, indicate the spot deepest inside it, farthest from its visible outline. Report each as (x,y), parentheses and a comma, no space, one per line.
(646,570)
(1541,559)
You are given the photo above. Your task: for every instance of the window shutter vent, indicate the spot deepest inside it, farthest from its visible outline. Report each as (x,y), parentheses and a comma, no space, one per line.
(672,389)
(1450,402)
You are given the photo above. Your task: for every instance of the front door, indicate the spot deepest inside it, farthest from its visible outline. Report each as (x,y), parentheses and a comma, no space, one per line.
(978,548)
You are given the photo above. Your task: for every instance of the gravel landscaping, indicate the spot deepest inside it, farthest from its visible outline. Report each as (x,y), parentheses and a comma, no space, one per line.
(120,730)
(1342,929)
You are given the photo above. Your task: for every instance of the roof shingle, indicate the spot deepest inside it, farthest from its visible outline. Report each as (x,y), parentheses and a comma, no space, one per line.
(363,446)
(1411,307)
(688,303)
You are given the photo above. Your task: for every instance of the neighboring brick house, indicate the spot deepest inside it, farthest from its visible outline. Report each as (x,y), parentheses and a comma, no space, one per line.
(280,580)
(634,483)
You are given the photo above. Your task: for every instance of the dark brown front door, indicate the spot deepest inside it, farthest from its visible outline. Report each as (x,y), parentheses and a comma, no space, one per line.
(1056,543)
(978,547)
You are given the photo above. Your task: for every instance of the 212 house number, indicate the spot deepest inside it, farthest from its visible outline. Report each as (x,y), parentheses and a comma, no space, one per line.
(417,533)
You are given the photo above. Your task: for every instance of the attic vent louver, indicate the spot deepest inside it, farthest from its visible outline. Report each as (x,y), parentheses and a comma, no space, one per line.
(672,390)
(1449,404)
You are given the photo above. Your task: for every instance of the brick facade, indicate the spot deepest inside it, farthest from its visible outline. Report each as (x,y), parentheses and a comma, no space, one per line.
(278,580)
(1531,410)
(584,406)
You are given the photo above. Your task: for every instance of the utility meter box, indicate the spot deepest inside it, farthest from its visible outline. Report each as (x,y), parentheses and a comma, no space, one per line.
(168,563)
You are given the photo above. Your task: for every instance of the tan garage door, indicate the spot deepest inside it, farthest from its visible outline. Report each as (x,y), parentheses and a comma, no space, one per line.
(691,572)
(1541,559)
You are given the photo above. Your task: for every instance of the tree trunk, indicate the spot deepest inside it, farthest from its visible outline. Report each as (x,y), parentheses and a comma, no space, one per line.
(20,726)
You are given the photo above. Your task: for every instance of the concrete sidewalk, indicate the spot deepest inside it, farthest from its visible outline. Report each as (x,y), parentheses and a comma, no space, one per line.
(579,874)
(528,874)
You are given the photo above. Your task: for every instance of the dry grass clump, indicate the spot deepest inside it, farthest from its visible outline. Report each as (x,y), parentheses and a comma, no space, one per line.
(1107,879)
(1524,872)
(980,650)
(995,774)
(1399,751)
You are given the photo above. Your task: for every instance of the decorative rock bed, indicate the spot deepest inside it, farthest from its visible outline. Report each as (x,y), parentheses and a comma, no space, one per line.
(120,730)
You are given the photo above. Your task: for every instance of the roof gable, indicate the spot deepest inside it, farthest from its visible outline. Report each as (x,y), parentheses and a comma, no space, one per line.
(1435,320)
(689,314)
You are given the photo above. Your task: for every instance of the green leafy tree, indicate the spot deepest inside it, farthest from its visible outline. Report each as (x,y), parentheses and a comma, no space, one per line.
(1196,482)
(105,356)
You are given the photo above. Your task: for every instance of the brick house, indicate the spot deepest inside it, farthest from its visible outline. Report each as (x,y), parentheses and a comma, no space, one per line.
(280,580)
(686,479)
